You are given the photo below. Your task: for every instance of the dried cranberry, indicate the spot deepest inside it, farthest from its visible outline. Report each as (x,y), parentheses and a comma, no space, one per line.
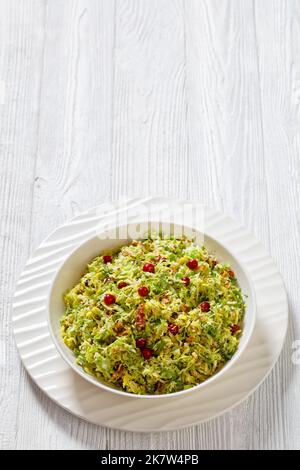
(141,343)
(109,299)
(205,306)
(149,268)
(143,291)
(122,284)
(234,329)
(192,264)
(173,329)
(231,273)
(147,353)
(186,280)
(107,259)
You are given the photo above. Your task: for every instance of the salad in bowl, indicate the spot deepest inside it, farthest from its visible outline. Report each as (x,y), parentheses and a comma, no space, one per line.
(151,317)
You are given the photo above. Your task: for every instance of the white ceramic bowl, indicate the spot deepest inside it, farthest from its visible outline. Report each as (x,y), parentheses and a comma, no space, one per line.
(74,266)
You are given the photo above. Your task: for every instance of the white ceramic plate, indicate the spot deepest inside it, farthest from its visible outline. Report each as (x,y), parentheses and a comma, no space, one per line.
(75,264)
(68,389)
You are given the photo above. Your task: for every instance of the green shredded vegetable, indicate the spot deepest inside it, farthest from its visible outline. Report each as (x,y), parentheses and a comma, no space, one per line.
(180,333)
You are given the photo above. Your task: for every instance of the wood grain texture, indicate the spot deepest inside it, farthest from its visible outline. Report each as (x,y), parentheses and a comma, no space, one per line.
(20,67)
(149,100)
(186,98)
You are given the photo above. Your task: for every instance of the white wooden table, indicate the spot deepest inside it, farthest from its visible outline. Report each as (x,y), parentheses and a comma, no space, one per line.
(186,98)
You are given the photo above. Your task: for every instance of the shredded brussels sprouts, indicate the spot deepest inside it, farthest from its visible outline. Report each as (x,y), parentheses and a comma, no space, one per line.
(159,316)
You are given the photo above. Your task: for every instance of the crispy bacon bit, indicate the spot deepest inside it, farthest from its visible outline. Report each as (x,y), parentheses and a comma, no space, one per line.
(118,373)
(235,328)
(190,339)
(159,387)
(140,317)
(159,258)
(119,327)
(123,333)
(202,267)
(185,308)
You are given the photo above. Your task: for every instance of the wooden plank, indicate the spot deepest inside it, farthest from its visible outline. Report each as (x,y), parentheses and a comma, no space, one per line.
(20,71)
(72,169)
(227,156)
(149,134)
(278,35)
(150,153)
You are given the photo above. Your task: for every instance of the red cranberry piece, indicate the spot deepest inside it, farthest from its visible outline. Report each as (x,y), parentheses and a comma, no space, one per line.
(149,268)
(143,291)
(109,299)
(186,280)
(231,273)
(107,259)
(173,329)
(141,343)
(122,284)
(192,264)
(234,329)
(205,306)
(147,353)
